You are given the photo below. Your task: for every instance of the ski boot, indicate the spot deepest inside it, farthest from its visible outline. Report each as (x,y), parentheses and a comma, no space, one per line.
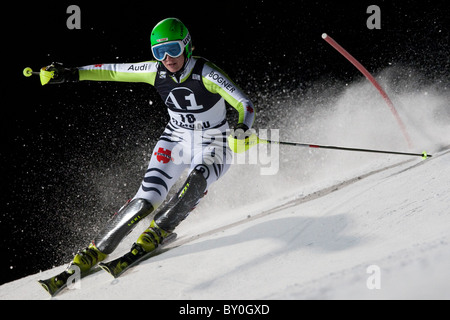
(148,245)
(84,261)
(88,258)
(151,238)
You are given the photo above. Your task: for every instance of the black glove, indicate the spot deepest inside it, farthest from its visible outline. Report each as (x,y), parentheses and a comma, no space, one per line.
(240,132)
(62,74)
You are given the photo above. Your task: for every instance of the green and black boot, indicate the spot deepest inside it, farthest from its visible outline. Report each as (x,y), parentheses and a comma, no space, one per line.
(151,238)
(146,246)
(88,258)
(85,261)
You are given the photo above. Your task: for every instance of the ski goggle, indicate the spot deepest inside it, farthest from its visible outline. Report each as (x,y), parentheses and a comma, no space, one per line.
(173,49)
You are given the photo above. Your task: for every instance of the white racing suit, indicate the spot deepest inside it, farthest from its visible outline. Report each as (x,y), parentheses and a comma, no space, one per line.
(194,139)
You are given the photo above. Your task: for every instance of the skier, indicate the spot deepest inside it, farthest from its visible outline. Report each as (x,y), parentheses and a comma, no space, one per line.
(194,91)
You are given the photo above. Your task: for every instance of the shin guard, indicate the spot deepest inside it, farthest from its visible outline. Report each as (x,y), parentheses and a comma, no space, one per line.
(179,207)
(121,224)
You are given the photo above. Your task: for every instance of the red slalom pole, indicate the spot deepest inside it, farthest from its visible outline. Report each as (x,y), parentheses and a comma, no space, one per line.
(369,77)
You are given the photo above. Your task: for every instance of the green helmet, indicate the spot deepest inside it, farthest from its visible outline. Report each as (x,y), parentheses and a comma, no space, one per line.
(171,30)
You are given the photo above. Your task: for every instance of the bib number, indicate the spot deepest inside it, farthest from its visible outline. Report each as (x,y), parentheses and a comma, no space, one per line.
(189,118)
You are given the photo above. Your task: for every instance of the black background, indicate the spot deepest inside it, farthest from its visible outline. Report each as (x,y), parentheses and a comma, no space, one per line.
(56,139)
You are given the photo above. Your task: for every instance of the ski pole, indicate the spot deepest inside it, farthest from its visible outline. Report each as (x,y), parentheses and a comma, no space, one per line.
(424,155)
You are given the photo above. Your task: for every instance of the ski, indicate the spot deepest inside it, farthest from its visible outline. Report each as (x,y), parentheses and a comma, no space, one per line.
(118,266)
(56,284)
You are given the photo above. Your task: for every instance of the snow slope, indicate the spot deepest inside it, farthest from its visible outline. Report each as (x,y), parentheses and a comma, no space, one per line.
(315,244)
(315,228)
